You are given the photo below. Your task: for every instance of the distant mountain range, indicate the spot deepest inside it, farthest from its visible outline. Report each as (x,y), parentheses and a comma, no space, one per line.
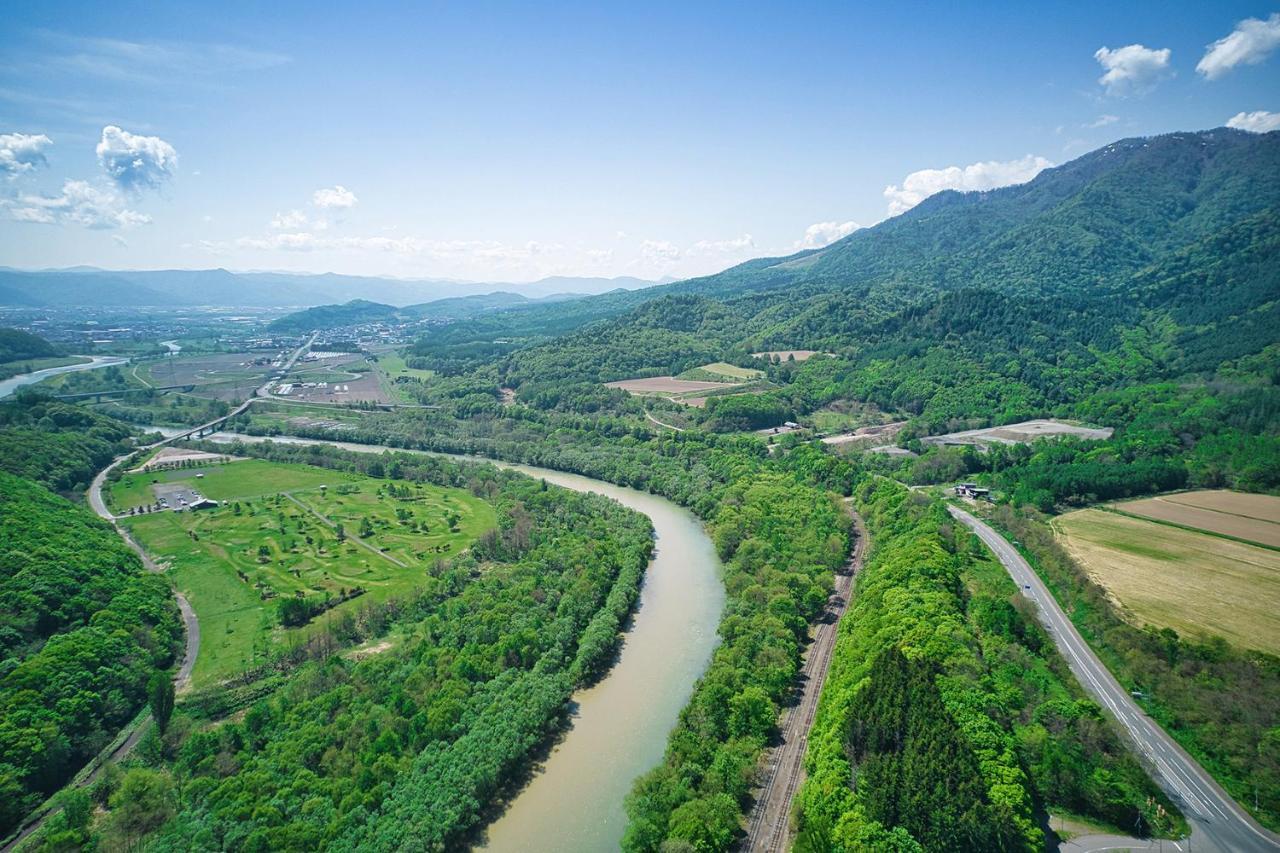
(359,311)
(89,287)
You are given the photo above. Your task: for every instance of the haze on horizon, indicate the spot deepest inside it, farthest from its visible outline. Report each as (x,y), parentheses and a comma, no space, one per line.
(509,143)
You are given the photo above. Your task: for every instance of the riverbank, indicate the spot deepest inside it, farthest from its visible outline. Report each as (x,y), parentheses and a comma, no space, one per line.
(619,726)
(13,383)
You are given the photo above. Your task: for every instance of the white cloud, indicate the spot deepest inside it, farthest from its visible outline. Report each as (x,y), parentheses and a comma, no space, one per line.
(136,162)
(1248,44)
(337,196)
(821,234)
(712,248)
(659,252)
(22,152)
(1255,122)
(80,203)
(1132,69)
(289,221)
(918,186)
(1103,121)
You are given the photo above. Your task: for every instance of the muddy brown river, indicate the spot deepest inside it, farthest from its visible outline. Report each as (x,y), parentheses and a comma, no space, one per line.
(619,727)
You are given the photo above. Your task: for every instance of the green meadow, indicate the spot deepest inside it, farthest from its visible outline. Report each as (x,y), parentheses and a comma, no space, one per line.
(277,535)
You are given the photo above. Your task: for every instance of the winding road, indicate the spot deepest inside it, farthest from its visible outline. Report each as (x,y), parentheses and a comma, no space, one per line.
(769,825)
(1218,823)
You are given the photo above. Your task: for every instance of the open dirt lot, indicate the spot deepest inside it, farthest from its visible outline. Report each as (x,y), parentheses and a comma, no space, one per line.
(1197,584)
(663,385)
(1255,518)
(785,354)
(1018,433)
(173,455)
(870,435)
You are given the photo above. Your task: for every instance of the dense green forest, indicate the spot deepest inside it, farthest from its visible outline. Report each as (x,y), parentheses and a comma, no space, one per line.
(57,444)
(17,345)
(947,719)
(82,630)
(780,541)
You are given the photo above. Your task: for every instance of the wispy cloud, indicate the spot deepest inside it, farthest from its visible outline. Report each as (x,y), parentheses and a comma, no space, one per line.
(1249,43)
(151,62)
(1103,121)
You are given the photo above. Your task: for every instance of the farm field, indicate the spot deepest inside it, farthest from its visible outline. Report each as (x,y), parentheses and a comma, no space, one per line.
(664,385)
(1254,518)
(687,392)
(222,376)
(1197,584)
(277,537)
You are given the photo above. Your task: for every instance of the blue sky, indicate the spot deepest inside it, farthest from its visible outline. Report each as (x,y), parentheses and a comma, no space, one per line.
(509,142)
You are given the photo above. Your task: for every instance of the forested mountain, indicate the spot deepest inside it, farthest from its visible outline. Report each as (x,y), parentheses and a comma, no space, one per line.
(1147,258)
(363,311)
(330,316)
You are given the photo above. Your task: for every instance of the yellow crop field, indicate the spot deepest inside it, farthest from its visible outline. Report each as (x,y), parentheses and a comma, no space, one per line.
(1199,585)
(1255,518)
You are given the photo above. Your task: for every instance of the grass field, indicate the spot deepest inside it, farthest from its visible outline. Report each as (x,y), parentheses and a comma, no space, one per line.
(1199,585)
(1253,518)
(275,536)
(722,371)
(392,364)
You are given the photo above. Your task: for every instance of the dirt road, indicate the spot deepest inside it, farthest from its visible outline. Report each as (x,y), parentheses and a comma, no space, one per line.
(769,827)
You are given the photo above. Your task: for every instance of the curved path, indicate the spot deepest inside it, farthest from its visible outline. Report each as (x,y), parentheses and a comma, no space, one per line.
(769,825)
(1217,822)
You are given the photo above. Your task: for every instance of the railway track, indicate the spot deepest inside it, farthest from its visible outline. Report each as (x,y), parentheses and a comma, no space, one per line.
(768,827)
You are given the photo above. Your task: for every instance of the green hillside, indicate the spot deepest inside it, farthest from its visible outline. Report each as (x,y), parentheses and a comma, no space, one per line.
(332,316)
(16,345)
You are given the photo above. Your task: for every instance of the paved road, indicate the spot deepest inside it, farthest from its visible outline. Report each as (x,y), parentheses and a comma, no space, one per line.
(769,826)
(1217,822)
